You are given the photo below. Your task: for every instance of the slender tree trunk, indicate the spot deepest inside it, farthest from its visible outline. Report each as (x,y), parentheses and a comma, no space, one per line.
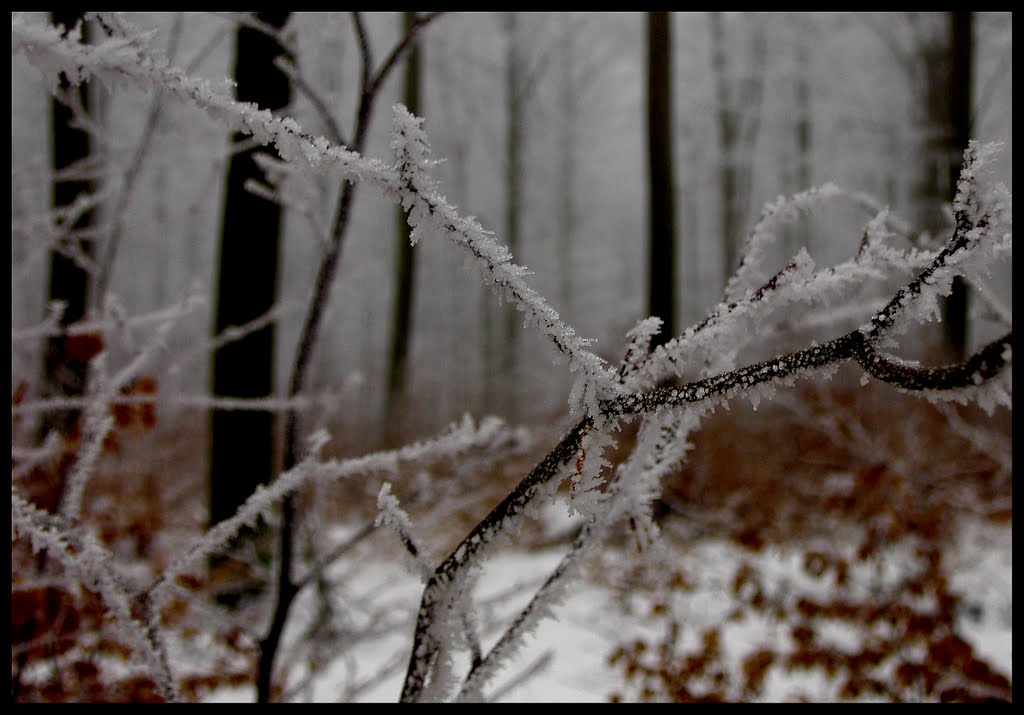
(662,228)
(242,441)
(799,235)
(405,267)
(961,26)
(945,59)
(514,93)
(738,122)
(726,143)
(567,169)
(66,359)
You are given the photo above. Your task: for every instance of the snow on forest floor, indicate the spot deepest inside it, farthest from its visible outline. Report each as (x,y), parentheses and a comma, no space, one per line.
(592,623)
(573,650)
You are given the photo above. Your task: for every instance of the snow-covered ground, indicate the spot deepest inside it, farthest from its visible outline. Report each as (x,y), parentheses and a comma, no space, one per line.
(591,624)
(567,657)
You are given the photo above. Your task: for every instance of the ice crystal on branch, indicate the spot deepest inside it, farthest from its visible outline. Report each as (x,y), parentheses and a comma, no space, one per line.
(422,203)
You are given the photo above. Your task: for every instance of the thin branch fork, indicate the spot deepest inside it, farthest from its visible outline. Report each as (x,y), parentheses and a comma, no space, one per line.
(980,367)
(443,590)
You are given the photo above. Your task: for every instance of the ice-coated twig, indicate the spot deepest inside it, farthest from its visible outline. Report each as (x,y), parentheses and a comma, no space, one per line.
(233,333)
(451,576)
(47,48)
(460,437)
(749,273)
(97,422)
(117,59)
(142,151)
(537,666)
(94,567)
(660,447)
(28,458)
(420,199)
(392,515)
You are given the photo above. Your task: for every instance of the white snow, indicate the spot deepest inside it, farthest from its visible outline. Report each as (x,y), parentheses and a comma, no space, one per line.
(594,620)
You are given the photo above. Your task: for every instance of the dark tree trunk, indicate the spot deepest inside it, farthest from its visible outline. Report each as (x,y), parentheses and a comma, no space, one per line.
(961,51)
(242,441)
(405,267)
(661,298)
(66,359)
(945,64)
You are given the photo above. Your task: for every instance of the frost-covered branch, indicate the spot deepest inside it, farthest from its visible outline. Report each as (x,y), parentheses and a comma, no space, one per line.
(973,225)
(109,322)
(27,458)
(450,578)
(460,437)
(298,80)
(392,515)
(425,206)
(984,365)
(97,423)
(427,675)
(142,150)
(234,333)
(113,58)
(93,566)
(117,59)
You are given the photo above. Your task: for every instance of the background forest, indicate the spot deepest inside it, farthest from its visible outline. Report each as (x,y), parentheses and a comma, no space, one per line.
(541,123)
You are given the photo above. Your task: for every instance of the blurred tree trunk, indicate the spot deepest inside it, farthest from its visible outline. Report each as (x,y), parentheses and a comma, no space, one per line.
(568,99)
(961,26)
(405,265)
(798,235)
(242,441)
(514,132)
(66,358)
(739,111)
(726,141)
(944,58)
(662,228)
